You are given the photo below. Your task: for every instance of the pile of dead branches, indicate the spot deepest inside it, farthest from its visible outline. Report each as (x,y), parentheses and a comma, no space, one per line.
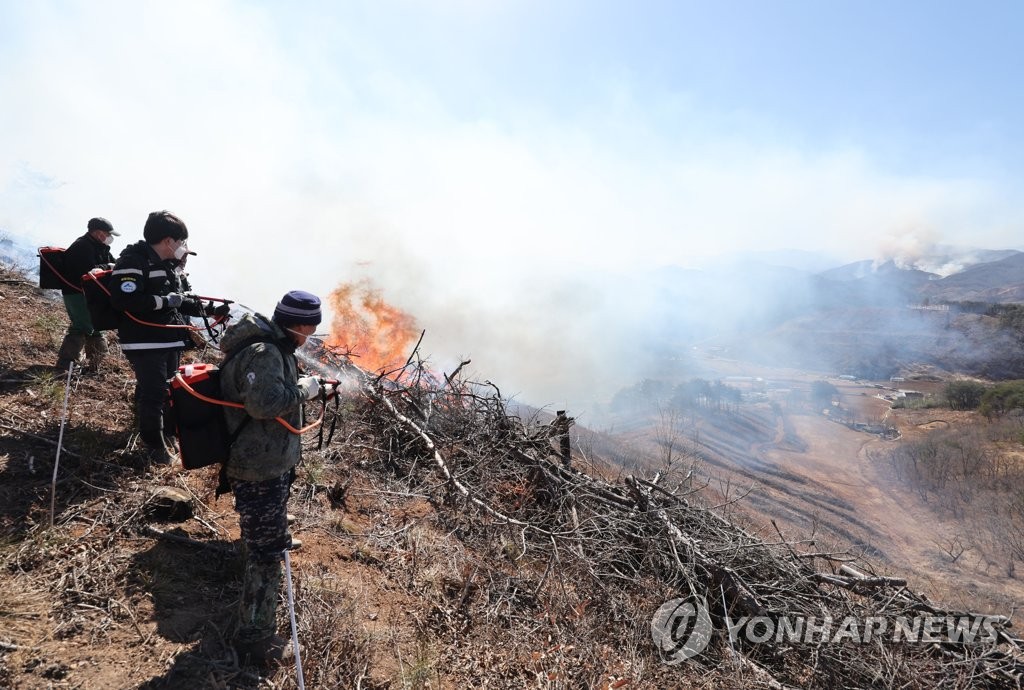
(595,556)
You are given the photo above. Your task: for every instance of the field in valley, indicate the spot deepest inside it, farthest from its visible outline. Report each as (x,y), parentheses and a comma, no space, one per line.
(780,457)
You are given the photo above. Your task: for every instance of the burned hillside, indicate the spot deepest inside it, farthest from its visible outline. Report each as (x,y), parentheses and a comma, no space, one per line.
(446,544)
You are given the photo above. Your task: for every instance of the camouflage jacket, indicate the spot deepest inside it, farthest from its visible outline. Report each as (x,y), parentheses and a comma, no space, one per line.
(262,376)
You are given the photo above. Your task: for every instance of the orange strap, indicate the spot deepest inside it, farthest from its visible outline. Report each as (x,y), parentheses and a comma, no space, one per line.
(59,274)
(215,322)
(226,403)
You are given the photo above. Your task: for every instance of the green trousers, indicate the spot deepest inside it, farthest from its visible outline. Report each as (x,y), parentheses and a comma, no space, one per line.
(81,335)
(78,313)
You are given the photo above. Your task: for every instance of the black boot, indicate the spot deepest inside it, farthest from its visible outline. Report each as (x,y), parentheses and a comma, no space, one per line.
(158,455)
(156,452)
(266,651)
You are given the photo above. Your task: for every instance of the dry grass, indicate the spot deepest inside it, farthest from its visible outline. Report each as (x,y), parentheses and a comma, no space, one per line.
(445,547)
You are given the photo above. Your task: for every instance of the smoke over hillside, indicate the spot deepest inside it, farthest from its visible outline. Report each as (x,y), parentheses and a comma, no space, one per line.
(574,340)
(873,319)
(556,335)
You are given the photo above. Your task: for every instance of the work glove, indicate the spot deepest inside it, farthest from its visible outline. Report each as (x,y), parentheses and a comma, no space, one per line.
(217,311)
(173,300)
(310,387)
(190,306)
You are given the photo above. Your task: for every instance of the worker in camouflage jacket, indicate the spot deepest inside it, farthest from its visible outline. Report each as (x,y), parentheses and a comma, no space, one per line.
(261,372)
(90,252)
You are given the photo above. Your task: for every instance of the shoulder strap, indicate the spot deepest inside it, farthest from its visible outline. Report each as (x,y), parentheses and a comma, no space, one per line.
(238,349)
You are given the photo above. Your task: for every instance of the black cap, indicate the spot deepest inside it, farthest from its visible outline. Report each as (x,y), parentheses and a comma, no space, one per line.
(102,224)
(161,224)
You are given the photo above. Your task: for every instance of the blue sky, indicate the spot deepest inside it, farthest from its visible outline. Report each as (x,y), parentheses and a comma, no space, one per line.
(475,158)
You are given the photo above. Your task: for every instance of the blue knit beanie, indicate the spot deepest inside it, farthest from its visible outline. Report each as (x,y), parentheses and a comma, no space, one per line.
(298,307)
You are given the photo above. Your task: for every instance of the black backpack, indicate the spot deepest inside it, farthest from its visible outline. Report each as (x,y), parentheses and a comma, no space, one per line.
(200,425)
(51,269)
(96,287)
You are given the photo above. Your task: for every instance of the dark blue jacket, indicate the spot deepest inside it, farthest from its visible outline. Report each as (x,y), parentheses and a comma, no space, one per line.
(139,284)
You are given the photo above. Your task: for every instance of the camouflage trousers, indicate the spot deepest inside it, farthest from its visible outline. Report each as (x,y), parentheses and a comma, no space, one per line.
(262,515)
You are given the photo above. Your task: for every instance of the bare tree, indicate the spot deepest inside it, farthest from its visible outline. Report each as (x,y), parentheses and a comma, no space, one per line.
(953,547)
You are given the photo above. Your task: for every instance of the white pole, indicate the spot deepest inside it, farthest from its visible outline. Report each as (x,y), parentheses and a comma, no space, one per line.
(291,615)
(60,441)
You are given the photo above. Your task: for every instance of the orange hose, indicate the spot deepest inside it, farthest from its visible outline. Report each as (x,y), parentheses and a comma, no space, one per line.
(215,322)
(227,403)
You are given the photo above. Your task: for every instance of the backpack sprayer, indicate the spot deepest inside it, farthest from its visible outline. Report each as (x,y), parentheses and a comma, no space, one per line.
(198,406)
(106,318)
(51,269)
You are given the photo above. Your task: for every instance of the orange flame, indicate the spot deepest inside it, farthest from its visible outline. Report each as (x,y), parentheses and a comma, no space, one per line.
(377,334)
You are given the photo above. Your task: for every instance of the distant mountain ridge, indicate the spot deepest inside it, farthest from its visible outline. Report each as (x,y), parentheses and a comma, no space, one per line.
(869,318)
(744,293)
(950,260)
(871,270)
(999,281)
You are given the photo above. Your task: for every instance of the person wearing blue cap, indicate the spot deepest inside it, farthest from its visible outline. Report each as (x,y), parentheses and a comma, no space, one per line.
(261,372)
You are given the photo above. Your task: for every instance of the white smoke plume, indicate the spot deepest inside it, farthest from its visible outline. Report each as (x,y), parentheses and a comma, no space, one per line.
(303,154)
